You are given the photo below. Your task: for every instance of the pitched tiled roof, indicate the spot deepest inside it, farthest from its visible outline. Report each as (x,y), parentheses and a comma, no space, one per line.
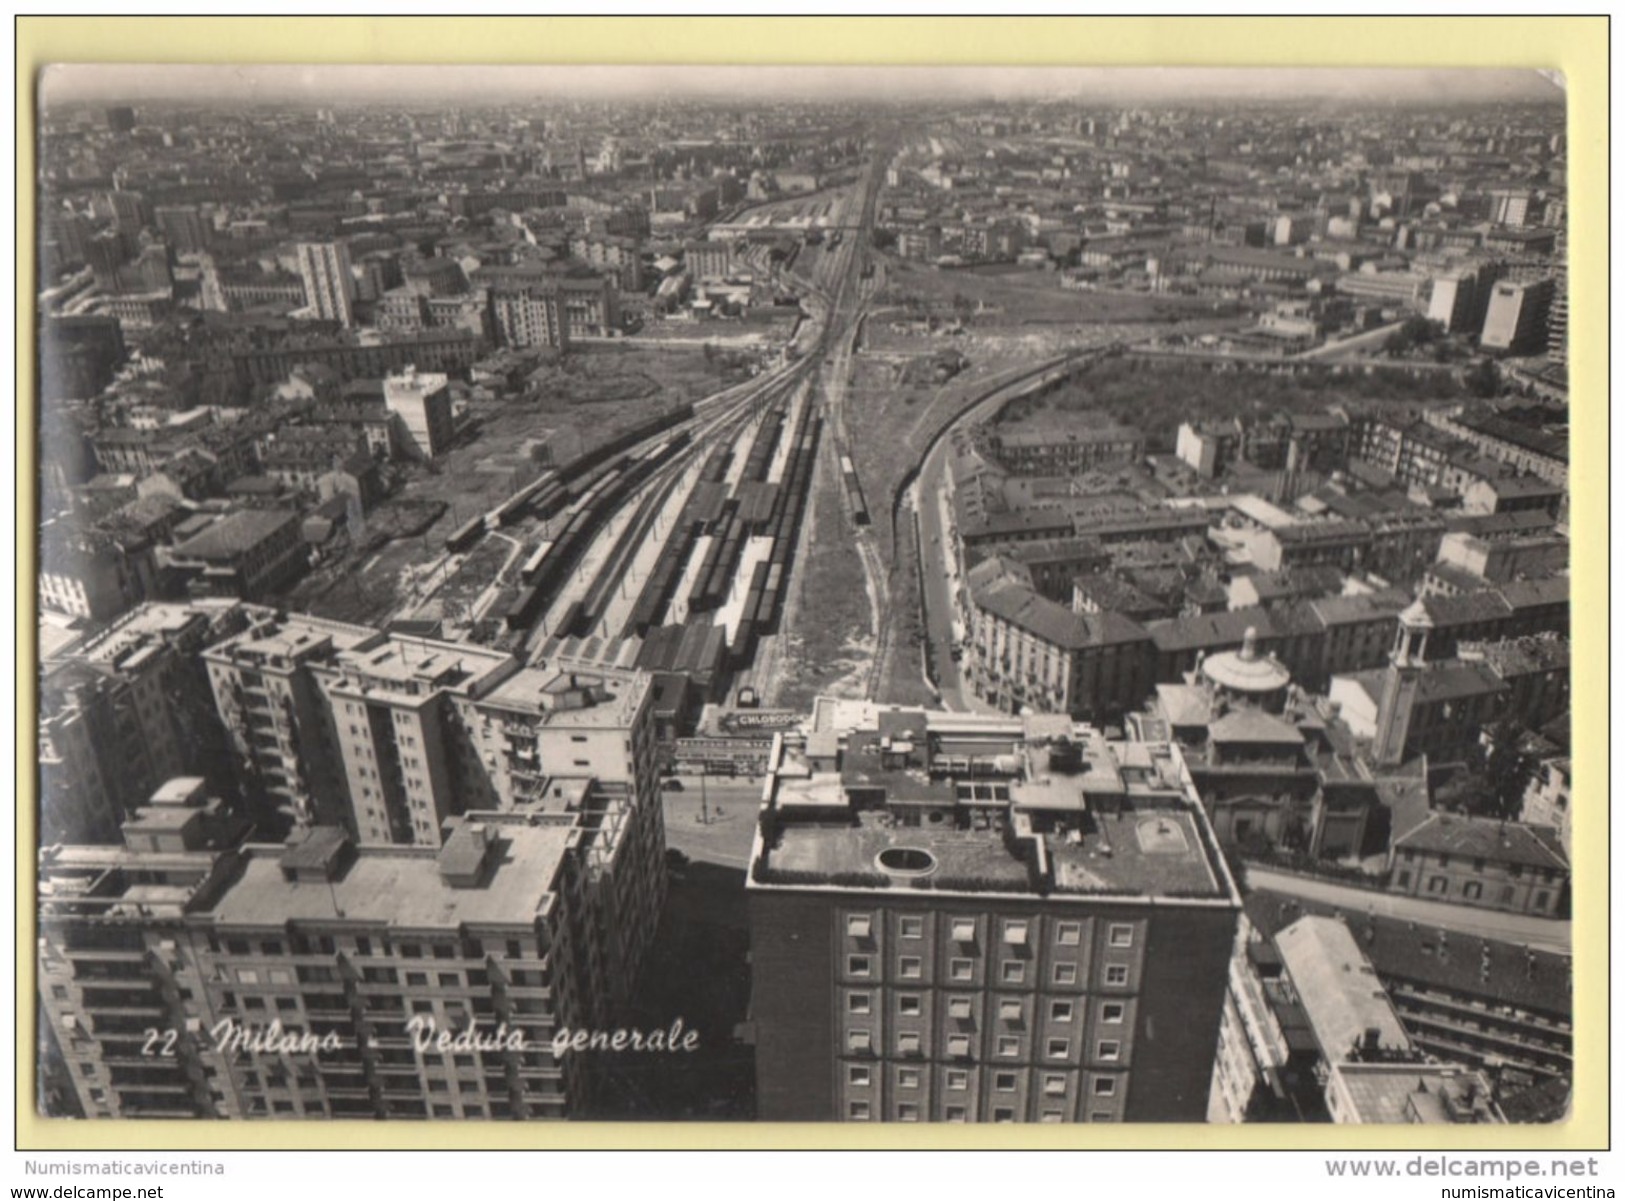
(1485,838)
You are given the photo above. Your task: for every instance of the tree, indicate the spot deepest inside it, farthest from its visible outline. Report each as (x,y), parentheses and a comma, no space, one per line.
(1484,380)
(1507,772)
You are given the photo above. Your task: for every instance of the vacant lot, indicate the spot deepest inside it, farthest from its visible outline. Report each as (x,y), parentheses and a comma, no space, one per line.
(1004,297)
(833,642)
(1155,397)
(903,680)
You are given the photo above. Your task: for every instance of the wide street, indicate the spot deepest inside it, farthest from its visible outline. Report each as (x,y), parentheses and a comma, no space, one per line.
(729,818)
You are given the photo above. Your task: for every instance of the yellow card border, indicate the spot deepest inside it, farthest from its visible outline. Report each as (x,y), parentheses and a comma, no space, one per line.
(1577,46)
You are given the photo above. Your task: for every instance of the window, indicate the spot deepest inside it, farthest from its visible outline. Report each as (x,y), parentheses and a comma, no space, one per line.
(1005,1082)
(959,1007)
(858,1111)
(857,1002)
(1112,1012)
(858,1074)
(958,1079)
(1058,1048)
(1403,880)
(909,1005)
(911,927)
(1105,1086)
(1004,1115)
(1541,898)
(1507,893)
(1066,973)
(247,975)
(1015,933)
(959,1044)
(908,967)
(1009,1046)
(1438,884)
(1116,973)
(1054,1086)
(1069,934)
(961,969)
(1109,1049)
(908,1043)
(1010,1010)
(1472,890)
(1100,1115)
(964,929)
(908,1113)
(857,965)
(1120,935)
(1060,1011)
(954,1113)
(857,925)
(1013,971)
(857,1040)
(908,1077)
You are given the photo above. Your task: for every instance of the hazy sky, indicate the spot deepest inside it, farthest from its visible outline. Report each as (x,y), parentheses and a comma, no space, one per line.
(335,84)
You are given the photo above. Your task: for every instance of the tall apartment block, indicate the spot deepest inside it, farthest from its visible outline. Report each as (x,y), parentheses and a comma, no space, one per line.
(125,710)
(529,314)
(387,736)
(277,718)
(329,289)
(421,403)
(1515,320)
(960,918)
(1557,318)
(182,975)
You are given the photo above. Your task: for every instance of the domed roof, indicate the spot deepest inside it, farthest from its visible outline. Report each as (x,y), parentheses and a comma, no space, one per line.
(1246,670)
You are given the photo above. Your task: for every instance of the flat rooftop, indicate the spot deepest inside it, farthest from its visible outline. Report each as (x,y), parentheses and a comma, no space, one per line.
(403,886)
(292,637)
(603,698)
(416,666)
(1030,809)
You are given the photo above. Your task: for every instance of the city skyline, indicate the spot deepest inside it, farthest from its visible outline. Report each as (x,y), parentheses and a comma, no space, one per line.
(978,610)
(383,84)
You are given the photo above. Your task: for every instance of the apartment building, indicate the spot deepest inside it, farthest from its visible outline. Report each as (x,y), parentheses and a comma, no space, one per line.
(391,700)
(421,403)
(278,722)
(1475,1001)
(324,268)
(387,735)
(966,918)
(529,315)
(1026,649)
(124,711)
(249,554)
(185,976)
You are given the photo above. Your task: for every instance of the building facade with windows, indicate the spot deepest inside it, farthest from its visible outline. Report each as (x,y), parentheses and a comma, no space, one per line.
(185,978)
(940,934)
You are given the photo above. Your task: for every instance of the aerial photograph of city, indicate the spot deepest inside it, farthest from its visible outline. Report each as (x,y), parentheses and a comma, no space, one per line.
(845,595)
